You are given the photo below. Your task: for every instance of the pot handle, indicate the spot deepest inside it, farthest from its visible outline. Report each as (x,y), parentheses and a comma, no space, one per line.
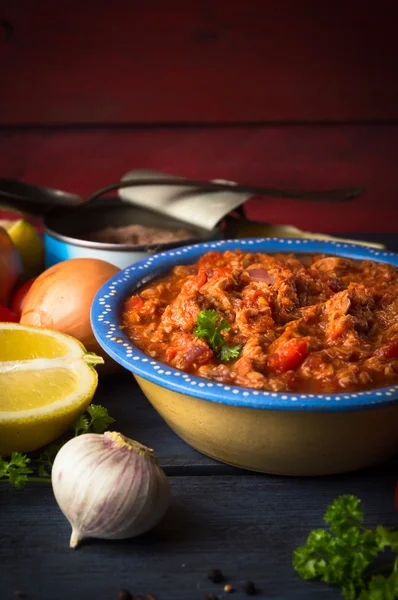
(33,199)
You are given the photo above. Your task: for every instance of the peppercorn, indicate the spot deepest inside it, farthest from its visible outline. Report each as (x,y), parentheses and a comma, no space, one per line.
(124,595)
(249,588)
(216,576)
(228,588)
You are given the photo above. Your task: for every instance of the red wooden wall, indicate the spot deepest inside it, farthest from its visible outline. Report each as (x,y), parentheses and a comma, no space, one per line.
(277,92)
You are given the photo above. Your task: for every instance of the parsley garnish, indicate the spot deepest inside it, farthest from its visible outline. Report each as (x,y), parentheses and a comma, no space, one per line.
(207,328)
(16,470)
(344,555)
(229,352)
(97,420)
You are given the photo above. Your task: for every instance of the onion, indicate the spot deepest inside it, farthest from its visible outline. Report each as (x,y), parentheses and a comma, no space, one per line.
(61,297)
(10,267)
(261,275)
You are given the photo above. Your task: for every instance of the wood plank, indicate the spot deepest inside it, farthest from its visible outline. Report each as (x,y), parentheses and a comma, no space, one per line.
(246,526)
(204,61)
(291,156)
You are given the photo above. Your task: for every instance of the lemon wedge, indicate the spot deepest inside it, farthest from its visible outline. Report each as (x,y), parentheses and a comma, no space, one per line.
(47,380)
(29,244)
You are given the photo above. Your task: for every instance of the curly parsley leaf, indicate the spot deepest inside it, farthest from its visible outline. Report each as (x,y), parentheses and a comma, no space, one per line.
(81,425)
(15,470)
(344,555)
(381,588)
(345,512)
(208,329)
(230,352)
(387,538)
(95,420)
(99,418)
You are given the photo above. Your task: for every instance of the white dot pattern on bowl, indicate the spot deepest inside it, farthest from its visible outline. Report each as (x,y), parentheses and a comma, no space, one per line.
(105,310)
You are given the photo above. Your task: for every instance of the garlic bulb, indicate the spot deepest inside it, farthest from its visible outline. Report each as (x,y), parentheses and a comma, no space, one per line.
(109,486)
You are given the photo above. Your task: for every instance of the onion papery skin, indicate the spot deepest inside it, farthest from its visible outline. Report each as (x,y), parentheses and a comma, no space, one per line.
(61,297)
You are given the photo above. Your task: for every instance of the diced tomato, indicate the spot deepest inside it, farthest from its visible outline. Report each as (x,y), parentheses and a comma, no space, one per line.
(390,350)
(135,303)
(7,316)
(170,353)
(220,272)
(20,295)
(196,282)
(200,279)
(289,355)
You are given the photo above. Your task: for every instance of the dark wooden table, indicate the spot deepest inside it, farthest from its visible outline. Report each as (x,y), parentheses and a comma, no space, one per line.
(245,524)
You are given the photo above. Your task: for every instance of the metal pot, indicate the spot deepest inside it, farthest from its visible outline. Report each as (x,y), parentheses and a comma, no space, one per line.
(66,230)
(174,202)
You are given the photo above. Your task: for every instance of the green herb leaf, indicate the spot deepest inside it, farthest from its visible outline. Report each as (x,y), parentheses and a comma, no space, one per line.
(208,329)
(343,513)
(15,470)
(381,588)
(344,555)
(81,425)
(230,352)
(99,419)
(387,538)
(95,420)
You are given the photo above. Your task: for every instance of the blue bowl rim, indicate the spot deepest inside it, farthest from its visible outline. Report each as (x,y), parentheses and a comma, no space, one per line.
(108,303)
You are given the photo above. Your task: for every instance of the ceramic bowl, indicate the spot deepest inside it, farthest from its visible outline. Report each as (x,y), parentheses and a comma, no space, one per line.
(280,433)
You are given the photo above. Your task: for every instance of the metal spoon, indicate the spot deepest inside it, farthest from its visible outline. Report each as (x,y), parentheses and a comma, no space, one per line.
(37,200)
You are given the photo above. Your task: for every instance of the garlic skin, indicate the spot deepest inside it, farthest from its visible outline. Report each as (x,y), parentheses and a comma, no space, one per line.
(109,487)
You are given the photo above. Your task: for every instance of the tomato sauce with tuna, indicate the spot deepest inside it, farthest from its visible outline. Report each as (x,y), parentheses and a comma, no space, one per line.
(300,323)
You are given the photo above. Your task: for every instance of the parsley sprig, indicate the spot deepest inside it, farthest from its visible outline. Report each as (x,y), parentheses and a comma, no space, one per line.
(17,471)
(208,329)
(95,420)
(345,555)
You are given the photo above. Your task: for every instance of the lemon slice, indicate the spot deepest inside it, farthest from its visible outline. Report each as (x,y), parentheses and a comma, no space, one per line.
(47,380)
(29,244)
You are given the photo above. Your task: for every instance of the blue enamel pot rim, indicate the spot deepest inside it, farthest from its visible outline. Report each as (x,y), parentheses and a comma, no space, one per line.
(108,303)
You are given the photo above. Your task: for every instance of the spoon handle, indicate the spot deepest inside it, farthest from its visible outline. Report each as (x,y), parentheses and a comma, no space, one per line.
(331,195)
(33,199)
(38,200)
